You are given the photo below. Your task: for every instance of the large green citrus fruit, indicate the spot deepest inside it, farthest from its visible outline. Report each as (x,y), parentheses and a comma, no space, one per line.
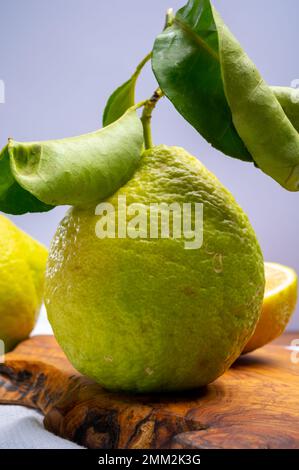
(149,315)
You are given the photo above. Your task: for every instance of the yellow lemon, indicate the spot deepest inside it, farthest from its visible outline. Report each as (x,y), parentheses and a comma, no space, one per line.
(278,306)
(22,266)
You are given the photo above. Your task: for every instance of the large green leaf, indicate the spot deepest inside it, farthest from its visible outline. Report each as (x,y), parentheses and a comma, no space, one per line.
(258,116)
(206,74)
(75,171)
(186,64)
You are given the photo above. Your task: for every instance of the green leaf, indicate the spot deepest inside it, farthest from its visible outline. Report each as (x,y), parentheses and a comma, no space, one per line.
(289,100)
(13,198)
(259,118)
(206,74)
(186,64)
(122,99)
(80,170)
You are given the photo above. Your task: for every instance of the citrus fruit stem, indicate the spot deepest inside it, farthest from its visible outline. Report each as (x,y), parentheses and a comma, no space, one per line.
(147,117)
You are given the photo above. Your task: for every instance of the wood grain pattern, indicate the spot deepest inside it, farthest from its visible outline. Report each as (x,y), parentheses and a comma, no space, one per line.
(254,405)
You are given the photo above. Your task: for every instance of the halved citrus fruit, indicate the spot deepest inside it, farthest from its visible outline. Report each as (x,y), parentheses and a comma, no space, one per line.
(279,304)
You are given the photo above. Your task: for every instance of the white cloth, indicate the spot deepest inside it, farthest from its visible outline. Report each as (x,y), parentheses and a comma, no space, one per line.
(22,428)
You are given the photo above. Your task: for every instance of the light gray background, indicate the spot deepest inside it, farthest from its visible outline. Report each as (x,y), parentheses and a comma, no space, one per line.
(60,59)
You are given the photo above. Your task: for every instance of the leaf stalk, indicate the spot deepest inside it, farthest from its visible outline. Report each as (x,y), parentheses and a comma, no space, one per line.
(147,117)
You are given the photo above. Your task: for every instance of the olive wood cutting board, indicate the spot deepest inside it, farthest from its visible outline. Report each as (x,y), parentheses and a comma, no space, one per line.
(254,405)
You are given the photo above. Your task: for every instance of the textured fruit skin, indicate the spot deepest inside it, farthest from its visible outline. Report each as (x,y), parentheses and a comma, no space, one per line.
(277,311)
(22,269)
(148,315)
